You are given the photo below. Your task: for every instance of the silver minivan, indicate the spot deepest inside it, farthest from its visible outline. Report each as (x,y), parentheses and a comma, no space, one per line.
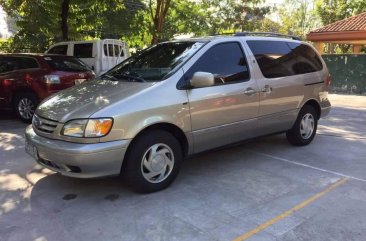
(177,98)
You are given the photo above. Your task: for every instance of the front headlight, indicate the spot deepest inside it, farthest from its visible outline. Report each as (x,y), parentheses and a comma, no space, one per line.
(87,127)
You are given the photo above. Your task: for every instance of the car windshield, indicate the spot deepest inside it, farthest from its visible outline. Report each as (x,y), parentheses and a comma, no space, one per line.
(154,64)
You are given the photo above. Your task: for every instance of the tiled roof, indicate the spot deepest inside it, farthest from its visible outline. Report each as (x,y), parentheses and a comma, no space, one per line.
(354,23)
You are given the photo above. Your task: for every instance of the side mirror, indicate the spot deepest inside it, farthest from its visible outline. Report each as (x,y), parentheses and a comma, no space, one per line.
(202,79)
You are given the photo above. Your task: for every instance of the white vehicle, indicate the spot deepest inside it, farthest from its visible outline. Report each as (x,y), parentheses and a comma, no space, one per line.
(99,55)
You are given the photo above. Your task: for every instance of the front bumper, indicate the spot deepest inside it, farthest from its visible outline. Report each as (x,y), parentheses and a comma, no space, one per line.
(75,159)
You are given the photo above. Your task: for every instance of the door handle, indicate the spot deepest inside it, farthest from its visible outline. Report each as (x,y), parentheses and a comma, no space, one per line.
(250,91)
(266,89)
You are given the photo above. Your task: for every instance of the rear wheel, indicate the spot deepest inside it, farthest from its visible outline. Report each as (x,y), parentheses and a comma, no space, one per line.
(24,106)
(153,162)
(304,129)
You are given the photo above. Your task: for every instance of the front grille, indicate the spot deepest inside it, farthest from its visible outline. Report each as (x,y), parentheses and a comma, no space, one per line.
(43,124)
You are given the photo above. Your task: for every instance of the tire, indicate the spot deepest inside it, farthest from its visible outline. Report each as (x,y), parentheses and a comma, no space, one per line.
(146,174)
(24,105)
(304,129)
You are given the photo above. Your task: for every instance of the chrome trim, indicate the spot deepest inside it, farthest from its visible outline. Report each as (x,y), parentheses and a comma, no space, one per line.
(44,125)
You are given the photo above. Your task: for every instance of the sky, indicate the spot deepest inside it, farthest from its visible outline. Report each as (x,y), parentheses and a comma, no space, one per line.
(274,15)
(4,31)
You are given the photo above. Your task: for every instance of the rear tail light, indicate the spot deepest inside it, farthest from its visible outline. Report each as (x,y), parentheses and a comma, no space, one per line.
(7,82)
(28,78)
(328,80)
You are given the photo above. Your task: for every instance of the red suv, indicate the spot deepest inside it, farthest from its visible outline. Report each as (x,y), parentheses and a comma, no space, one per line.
(26,79)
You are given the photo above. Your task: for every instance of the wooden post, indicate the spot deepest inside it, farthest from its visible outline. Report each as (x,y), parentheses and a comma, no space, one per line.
(357,48)
(331,48)
(319,46)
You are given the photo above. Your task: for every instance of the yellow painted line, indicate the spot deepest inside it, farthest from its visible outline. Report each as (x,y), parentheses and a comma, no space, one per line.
(290,211)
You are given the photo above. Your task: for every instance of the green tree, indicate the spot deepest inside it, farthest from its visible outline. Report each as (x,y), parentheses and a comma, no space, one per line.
(267,25)
(232,16)
(158,10)
(298,17)
(140,22)
(331,11)
(182,17)
(41,23)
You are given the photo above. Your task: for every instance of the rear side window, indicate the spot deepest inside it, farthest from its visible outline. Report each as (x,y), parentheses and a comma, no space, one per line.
(8,64)
(59,49)
(108,50)
(279,59)
(66,64)
(307,60)
(118,51)
(83,50)
(226,61)
(28,63)
(113,50)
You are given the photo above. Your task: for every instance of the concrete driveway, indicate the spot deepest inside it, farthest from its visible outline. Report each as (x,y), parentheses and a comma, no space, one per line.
(264,189)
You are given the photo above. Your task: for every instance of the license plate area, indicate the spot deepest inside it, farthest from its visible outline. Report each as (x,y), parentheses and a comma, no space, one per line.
(31,150)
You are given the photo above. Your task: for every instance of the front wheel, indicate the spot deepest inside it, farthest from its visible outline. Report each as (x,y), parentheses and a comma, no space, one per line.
(153,162)
(24,105)
(304,129)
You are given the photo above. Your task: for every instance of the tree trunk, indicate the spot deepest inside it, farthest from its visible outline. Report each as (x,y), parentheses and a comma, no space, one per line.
(65,7)
(162,7)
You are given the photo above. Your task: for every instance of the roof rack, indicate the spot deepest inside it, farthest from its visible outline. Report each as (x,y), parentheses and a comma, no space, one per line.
(223,34)
(268,34)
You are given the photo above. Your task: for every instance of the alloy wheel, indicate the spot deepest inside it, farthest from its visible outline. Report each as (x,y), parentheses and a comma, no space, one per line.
(26,108)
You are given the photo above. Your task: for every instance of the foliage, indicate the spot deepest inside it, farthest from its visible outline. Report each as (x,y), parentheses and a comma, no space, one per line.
(39,22)
(330,11)
(298,17)
(228,15)
(142,22)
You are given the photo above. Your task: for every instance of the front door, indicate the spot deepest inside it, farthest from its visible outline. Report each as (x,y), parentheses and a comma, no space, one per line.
(226,112)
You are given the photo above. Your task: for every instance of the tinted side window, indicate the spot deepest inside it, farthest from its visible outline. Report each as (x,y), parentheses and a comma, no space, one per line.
(118,50)
(226,61)
(8,64)
(108,50)
(28,63)
(279,59)
(69,64)
(60,49)
(83,50)
(275,59)
(307,60)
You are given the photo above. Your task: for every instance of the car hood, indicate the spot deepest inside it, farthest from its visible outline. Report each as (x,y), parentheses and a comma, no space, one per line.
(81,101)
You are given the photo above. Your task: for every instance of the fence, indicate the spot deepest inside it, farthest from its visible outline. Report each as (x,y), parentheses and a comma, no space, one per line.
(348,72)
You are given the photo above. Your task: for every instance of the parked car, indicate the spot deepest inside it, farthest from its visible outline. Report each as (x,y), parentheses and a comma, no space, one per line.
(26,79)
(99,55)
(177,98)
